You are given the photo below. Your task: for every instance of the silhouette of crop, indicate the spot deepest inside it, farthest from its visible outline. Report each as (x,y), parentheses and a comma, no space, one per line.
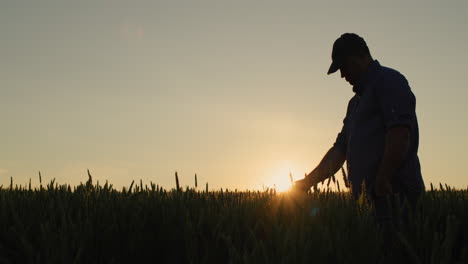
(93,223)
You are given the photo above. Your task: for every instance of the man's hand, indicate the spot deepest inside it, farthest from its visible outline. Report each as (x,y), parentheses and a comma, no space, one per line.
(305,184)
(331,163)
(396,148)
(302,185)
(382,186)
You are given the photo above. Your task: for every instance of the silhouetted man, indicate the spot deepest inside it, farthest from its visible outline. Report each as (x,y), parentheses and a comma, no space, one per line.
(379,139)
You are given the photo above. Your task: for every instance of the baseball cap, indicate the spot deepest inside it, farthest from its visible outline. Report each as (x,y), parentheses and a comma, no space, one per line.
(346,45)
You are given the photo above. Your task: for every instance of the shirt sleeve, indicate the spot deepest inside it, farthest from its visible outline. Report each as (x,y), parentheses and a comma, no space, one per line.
(341,139)
(397,101)
(340,142)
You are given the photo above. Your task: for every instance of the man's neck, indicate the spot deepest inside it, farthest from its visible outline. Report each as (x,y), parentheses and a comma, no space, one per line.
(366,63)
(365,66)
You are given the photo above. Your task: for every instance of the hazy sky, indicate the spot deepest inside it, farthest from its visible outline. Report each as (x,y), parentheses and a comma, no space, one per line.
(235,91)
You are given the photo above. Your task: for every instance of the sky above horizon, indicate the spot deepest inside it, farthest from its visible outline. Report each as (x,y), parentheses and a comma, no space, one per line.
(235,91)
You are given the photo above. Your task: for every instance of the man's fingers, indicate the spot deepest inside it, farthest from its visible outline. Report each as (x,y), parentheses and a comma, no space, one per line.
(301,185)
(300,182)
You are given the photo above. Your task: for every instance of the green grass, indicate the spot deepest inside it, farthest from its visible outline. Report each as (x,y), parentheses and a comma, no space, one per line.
(91,223)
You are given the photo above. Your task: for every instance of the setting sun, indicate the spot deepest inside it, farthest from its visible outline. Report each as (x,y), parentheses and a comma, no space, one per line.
(279,176)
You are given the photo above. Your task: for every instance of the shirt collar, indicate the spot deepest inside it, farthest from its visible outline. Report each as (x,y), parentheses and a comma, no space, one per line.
(367,77)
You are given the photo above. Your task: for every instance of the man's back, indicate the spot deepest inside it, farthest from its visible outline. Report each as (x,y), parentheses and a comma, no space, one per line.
(383,101)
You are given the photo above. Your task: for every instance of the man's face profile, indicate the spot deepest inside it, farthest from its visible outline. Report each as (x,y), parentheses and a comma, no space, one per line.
(350,69)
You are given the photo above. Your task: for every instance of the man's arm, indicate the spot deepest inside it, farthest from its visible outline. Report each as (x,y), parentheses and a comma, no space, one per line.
(333,159)
(396,148)
(330,164)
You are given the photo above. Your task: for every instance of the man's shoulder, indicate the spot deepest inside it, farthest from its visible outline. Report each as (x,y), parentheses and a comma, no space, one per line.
(393,82)
(390,74)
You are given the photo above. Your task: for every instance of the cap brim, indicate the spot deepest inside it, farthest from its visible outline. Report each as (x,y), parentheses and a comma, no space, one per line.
(333,68)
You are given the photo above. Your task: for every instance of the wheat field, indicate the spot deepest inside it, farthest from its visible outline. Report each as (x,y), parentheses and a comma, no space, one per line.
(95,223)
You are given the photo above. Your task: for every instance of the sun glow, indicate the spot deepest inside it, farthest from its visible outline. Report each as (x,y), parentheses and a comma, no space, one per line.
(278,177)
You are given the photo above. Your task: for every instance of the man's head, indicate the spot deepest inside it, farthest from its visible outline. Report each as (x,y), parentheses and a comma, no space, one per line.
(351,56)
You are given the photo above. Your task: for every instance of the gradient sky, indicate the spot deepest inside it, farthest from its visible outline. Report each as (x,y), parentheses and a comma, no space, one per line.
(235,91)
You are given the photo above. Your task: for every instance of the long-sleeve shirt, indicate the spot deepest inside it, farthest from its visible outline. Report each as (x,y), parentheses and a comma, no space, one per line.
(383,99)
